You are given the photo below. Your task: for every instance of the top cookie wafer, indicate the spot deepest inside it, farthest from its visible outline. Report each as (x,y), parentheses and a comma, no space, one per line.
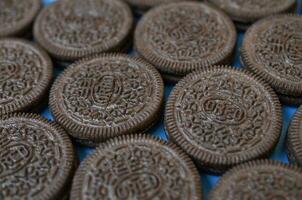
(25,75)
(17,16)
(260,180)
(106,96)
(70,30)
(294,138)
(181,37)
(272,49)
(252,10)
(36,158)
(137,167)
(223,117)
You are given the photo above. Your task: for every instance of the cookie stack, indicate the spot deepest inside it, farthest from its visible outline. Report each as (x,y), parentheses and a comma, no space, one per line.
(177,82)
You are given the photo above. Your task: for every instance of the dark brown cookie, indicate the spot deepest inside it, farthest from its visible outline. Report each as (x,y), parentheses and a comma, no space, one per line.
(137,167)
(25,75)
(294,139)
(182,37)
(222,117)
(70,30)
(261,180)
(16,16)
(106,96)
(245,12)
(36,158)
(272,49)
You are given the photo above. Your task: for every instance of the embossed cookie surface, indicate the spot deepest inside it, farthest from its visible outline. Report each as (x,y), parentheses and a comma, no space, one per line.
(222,117)
(70,30)
(252,10)
(260,180)
(182,37)
(16,16)
(36,158)
(25,75)
(272,48)
(107,96)
(137,167)
(294,138)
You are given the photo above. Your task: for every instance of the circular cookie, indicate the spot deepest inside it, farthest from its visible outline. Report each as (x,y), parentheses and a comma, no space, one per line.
(222,117)
(245,12)
(262,179)
(181,37)
(294,139)
(17,16)
(272,49)
(25,75)
(106,96)
(137,167)
(36,158)
(70,30)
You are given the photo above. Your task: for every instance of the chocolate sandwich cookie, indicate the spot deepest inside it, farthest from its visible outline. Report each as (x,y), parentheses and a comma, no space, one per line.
(36,158)
(70,30)
(222,117)
(182,37)
(16,16)
(140,6)
(246,12)
(294,139)
(261,180)
(25,75)
(137,167)
(272,49)
(105,96)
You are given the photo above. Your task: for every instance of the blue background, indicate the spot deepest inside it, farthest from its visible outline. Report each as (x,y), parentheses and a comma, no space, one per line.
(208,180)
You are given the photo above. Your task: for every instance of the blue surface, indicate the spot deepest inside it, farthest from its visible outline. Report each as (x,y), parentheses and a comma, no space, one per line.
(208,180)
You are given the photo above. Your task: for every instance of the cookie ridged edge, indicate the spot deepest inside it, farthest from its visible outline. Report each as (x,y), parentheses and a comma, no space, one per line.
(251,165)
(215,163)
(281,87)
(254,15)
(77,184)
(30,100)
(59,188)
(75,54)
(294,139)
(20,28)
(183,68)
(100,134)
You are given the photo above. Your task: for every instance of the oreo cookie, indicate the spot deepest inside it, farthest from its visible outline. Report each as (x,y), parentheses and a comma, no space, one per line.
(16,16)
(36,158)
(246,12)
(105,96)
(141,6)
(182,37)
(70,30)
(137,167)
(263,179)
(294,139)
(25,76)
(222,117)
(272,49)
